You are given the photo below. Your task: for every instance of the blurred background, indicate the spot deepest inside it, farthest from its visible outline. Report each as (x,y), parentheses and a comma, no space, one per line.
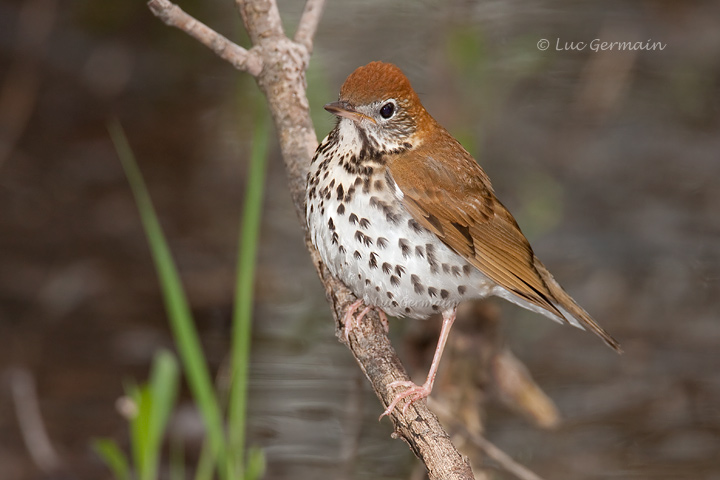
(610,162)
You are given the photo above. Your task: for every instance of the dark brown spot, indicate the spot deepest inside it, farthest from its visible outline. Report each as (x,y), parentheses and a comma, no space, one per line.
(392,217)
(331,224)
(435,308)
(407,309)
(358,180)
(433,220)
(394,303)
(353,219)
(373,260)
(386,267)
(340,209)
(364,223)
(361,237)
(404,247)
(444,294)
(430,251)
(382,242)
(414,225)
(417,286)
(334,238)
(420,251)
(446,268)
(456,270)
(395,281)
(390,295)
(340,192)
(399,270)
(357,255)
(462,289)
(432,291)
(367,282)
(379,185)
(465,232)
(467,269)
(341,249)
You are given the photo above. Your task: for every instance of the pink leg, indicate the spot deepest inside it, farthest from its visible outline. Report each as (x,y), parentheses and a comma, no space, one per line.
(415,392)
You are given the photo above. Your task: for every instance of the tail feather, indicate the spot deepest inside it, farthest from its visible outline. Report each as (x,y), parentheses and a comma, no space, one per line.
(573,311)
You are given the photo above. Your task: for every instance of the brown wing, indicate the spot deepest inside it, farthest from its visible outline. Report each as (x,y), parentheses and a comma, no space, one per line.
(454,200)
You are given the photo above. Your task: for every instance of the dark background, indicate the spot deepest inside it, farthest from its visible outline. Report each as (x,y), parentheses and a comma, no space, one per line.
(610,162)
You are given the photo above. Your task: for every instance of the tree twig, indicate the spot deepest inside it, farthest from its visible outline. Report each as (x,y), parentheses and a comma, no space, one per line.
(492,451)
(27,410)
(308,23)
(174,16)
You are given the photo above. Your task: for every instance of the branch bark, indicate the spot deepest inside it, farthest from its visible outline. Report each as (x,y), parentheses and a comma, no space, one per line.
(279,65)
(174,16)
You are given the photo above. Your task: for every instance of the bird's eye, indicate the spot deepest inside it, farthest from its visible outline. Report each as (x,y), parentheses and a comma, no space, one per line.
(387,110)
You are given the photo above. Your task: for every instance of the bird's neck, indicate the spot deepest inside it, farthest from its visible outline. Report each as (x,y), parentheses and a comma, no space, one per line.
(361,147)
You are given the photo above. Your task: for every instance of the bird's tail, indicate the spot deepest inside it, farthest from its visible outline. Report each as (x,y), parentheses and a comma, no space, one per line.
(572,310)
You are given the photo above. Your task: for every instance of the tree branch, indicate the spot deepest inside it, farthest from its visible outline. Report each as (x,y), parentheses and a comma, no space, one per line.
(308,23)
(264,17)
(174,16)
(502,458)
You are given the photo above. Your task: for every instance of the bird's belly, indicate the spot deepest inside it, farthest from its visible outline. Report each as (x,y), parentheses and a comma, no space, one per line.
(373,245)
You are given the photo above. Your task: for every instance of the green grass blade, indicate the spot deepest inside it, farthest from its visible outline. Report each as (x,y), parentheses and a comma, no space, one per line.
(255,464)
(242,311)
(113,457)
(181,322)
(205,463)
(162,392)
(139,424)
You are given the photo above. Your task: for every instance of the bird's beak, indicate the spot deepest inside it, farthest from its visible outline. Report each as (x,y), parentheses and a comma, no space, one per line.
(345,109)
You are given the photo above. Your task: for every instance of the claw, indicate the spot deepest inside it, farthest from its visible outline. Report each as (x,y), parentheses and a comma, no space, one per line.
(415,392)
(351,321)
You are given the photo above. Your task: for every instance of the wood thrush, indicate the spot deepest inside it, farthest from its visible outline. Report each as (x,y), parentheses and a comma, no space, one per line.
(407,219)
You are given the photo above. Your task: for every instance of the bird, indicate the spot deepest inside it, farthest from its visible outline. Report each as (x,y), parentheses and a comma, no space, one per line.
(407,219)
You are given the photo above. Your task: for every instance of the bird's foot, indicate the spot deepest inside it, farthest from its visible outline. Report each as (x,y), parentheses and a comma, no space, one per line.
(384,320)
(413,394)
(350,321)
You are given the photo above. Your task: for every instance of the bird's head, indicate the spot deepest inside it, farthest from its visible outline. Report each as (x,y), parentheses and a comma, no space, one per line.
(379,101)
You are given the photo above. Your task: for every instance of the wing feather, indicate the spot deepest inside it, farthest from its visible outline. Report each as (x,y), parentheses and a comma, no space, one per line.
(454,199)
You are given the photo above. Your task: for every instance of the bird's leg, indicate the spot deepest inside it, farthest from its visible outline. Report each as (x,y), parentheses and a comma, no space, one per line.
(350,321)
(415,392)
